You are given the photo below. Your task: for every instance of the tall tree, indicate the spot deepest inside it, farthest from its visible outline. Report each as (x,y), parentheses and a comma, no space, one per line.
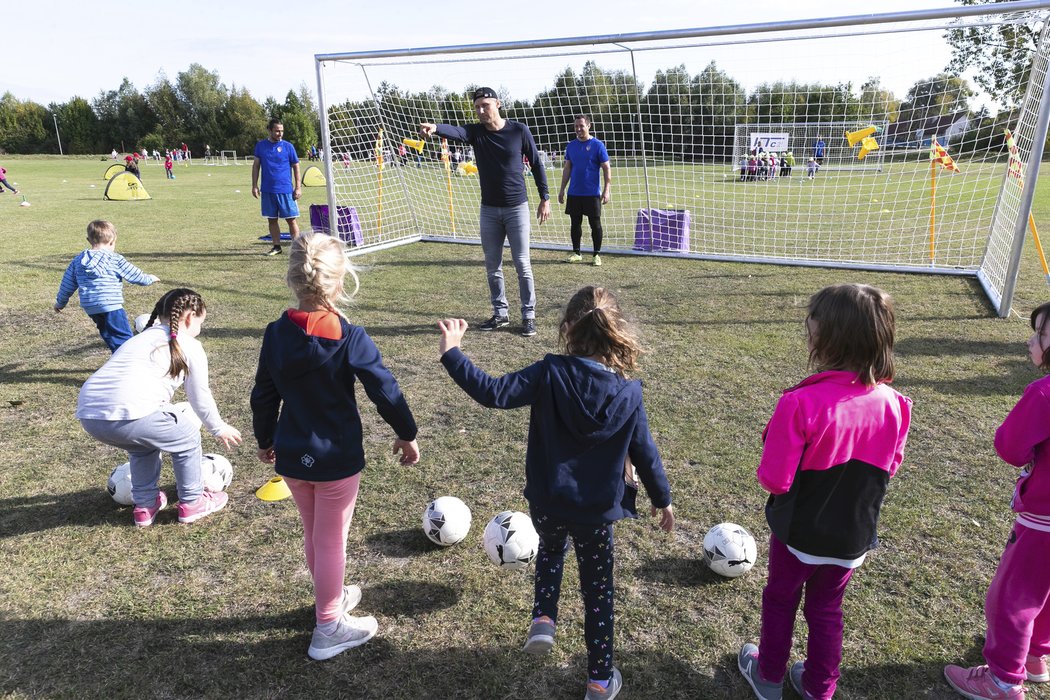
(202,98)
(78,126)
(243,122)
(999,55)
(21,125)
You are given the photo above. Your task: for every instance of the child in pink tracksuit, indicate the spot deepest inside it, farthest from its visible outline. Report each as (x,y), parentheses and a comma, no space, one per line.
(1017,607)
(831,446)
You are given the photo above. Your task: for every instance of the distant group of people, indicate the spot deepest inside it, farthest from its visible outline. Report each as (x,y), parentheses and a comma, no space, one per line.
(759,165)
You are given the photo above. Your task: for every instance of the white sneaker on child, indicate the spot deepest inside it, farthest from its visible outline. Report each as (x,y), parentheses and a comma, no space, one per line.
(349,632)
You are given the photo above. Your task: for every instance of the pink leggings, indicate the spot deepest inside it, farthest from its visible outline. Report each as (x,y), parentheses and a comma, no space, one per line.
(326,508)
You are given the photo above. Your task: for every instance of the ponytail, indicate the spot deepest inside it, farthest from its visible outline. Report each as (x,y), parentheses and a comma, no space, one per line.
(594,326)
(171,307)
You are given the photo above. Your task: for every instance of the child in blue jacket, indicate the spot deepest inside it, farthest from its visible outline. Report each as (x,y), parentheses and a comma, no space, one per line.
(587,427)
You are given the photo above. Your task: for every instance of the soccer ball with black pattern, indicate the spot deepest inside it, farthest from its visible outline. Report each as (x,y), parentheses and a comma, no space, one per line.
(216,472)
(729,550)
(446,520)
(510,540)
(119,484)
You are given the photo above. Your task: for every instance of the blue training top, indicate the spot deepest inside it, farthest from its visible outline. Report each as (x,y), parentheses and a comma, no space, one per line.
(275,166)
(586,158)
(498,155)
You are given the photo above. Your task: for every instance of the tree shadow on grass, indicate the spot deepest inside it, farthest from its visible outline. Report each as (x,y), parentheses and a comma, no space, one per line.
(922,678)
(409,542)
(410,598)
(88,507)
(264,656)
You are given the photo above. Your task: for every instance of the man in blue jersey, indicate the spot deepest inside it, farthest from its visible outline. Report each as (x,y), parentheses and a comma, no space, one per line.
(818,150)
(278,163)
(498,145)
(584,158)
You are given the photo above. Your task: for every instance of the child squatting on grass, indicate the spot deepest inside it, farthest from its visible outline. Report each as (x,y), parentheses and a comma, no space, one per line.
(830,449)
(587,420)
(1017,607)
(127,404)
(98,272)
(305,418)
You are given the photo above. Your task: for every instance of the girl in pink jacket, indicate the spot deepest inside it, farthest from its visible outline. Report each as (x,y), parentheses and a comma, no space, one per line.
(1017,607)
(833,443)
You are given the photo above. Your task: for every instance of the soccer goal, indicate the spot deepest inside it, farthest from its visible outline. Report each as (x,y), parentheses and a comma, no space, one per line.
(911,169)
(227,157)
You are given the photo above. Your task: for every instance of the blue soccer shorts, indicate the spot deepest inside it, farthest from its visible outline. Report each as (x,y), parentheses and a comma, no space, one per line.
(279,205)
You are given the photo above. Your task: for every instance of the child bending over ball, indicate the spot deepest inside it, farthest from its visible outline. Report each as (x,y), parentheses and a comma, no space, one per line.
(587,420)
(127,404)
(305,417)
(98,273)
(833,443)
(1017,607)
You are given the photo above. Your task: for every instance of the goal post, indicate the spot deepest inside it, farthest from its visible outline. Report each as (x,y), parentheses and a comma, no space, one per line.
(680,111)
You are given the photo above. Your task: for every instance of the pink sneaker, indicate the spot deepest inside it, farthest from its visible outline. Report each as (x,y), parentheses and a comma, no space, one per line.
(1035,667)
(207,504)
(145,515)
(978,683)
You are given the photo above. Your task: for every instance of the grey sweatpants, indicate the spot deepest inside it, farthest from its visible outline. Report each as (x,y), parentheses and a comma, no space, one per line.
(144,439)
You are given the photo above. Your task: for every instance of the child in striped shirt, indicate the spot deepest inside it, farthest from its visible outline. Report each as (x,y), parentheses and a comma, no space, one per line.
(98,273)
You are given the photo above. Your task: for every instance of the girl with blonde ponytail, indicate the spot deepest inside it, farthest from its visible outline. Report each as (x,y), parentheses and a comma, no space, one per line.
(587,426)
(306,422)
(127,404)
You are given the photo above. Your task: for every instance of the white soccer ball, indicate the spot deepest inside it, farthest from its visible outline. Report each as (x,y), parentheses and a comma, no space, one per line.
(729,550)
(510,540)
(140,322)
(119,484)
(446,520)
(216,472)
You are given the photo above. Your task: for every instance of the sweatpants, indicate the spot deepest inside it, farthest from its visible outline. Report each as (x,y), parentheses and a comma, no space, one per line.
(1016,605)
(594,555)
(166,430)
(113,326)
(499,224)
(824,586)
(326,509)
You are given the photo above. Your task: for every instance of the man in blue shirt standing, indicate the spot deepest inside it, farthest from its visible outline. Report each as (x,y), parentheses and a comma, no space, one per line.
(584,158)
(818,151)
(498,145)
(278,162)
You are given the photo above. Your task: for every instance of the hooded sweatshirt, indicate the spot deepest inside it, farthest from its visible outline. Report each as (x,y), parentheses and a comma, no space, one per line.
(99,275)
(303,402)
(585,421)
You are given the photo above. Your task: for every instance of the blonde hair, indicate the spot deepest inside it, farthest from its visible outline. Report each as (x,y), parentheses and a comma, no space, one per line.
(101,232)
(317,268)
(594,326)
(170,308)
(855,327)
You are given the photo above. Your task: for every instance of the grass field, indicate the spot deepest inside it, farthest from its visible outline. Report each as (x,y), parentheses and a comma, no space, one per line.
(92,607)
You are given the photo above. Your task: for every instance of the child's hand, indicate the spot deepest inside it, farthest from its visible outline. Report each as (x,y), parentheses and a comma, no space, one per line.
(268,455)
(666,517)
(409,451)
(153,279)
(58,309)
(229,437)
(452,330)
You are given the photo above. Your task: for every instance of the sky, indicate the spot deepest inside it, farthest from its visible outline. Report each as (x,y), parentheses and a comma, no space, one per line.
(62,48)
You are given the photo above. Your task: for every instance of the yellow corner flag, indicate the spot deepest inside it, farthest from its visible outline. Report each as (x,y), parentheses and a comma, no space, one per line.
(939,155)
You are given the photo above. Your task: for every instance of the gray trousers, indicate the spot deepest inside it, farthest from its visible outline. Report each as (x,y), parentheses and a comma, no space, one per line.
(144,439)
(499,224)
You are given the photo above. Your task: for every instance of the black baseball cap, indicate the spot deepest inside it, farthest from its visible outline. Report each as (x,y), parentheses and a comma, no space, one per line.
(483,92)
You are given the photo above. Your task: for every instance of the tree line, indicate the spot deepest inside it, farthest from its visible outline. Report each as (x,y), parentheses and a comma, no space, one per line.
(196,109)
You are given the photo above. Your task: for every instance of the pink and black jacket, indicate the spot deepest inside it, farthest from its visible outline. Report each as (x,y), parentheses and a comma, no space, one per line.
(830,449)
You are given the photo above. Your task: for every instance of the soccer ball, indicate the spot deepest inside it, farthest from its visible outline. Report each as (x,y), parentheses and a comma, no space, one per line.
(216,472)
(119,484)
(510,540)
(140,322)
(446,520)
(729,550)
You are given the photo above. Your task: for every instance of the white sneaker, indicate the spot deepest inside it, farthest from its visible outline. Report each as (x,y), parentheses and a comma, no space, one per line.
(349,632)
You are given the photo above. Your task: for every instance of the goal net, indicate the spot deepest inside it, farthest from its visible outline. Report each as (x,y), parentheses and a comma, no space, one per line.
(911,169)
(227,157)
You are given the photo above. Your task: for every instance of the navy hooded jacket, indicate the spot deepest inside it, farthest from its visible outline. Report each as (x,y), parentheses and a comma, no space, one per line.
(584,421)
(303,402)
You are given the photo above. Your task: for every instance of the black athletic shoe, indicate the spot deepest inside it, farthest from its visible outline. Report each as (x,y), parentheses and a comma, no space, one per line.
(494,323)
(528,327)
(276,250)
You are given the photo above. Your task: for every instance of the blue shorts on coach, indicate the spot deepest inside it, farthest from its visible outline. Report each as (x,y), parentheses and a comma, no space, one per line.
(279,205)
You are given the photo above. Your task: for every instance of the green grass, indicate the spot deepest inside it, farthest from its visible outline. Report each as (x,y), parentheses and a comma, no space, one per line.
(92,607)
